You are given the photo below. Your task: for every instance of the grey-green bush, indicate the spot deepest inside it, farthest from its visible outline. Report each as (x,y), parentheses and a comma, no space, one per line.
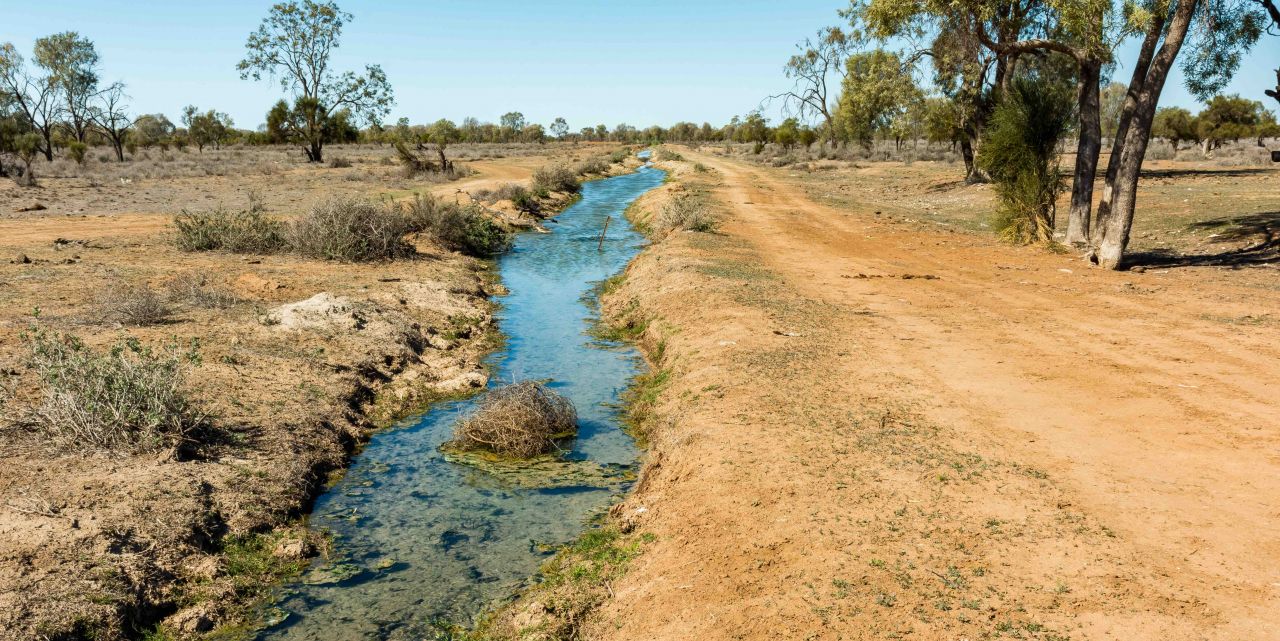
(242,232)
(351,230)
(463,228)
(689,212)
(129,399)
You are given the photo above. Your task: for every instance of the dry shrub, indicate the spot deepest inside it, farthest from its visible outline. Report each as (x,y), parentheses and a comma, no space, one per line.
(556,178)
(137,305)
(246,231)
(521,420)
(686,211)
(593,165)
(129,399)
(338,162)
(194,289)
(351,229)
(463,228)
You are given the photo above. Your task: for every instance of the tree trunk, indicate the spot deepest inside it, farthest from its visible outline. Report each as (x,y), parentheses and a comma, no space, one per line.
(315,151)
(966,152)
(1206,146)
(1087,152)
(1115,239)
(1140,68)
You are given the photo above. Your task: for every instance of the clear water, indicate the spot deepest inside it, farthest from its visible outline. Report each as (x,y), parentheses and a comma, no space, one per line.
(419,538)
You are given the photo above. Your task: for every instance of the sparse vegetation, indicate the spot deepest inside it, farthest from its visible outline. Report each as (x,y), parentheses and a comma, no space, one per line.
(521,420)
(128,399)
(351,230)
(247,231)
(133,304)
(556,178)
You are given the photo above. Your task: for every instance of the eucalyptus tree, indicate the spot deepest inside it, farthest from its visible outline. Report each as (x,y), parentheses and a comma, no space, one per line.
(1219,31)
(812,71)
(293,45)
(109,113)
(878,87)
(71,61)
(35,97)
(559,128)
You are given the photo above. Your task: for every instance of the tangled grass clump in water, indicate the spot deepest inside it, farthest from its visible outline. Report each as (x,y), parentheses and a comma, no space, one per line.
(521,420)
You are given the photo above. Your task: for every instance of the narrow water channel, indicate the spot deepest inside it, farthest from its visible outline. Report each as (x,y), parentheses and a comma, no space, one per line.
(418,538)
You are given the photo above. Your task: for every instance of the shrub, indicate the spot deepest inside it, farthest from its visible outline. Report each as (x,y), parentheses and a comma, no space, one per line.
(133,305)
(667,154)
(556,178)
(521,420)
(193,288)
(687,211)
(76,150)
(129,399)
(243,232)
(1020,154)
(461,228)
(338,162)
(594,165)
(619,155)
(522,198)
(352,230)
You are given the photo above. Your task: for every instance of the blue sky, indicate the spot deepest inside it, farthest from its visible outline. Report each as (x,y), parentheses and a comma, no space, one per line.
(590,61)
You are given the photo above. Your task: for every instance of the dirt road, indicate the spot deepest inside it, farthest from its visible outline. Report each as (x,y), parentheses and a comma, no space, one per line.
(880,430)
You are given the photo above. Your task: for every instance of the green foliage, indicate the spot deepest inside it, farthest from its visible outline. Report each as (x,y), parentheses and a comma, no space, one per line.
(1175,124)
(293,44)
(1230,118)
(208,128)
(1020,154)
(877,88)
(458,227)
(247,231)
(129,399)
(787,134)
(76,150)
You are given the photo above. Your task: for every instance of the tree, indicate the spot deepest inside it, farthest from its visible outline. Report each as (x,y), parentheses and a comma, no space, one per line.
(941,122)
(1176,125)
(602,132)
(811,71)
(787,134)
(152,129)
(35,98)
(293,44)
(559,128)
(1273,13)
(1228,118)
(1110,105)
(512,124)
(109,114)
(533,133)
(208,128)
(877,88)
(443,133)
(1225,29)
(72,64)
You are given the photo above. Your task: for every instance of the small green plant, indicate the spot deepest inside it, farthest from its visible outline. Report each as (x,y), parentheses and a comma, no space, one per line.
(464,228)
(128,399)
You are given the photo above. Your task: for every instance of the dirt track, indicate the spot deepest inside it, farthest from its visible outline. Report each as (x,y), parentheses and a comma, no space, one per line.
(878,430)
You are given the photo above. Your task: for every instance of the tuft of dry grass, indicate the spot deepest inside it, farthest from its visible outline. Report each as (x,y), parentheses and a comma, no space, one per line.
(247,231)
(194,289)
(521,420)
(136,305)
(688,212)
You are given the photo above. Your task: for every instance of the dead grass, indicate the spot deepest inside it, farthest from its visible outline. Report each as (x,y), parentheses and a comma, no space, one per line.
(133,304)
(522,420)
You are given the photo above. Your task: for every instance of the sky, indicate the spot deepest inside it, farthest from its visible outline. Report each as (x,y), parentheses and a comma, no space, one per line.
(588,61)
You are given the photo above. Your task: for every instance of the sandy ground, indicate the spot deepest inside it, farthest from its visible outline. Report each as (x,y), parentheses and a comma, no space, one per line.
(878,427)
(303,361)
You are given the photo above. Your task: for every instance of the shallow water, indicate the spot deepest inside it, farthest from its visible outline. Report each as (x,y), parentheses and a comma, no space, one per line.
(418,538)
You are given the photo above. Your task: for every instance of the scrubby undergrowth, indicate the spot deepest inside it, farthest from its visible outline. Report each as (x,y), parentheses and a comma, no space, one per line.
(521,420)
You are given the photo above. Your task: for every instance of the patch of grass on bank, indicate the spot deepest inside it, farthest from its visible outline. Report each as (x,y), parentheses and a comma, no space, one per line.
(574,583)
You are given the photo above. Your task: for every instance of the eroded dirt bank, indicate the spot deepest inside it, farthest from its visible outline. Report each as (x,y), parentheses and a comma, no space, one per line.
(299,360)
(875,429)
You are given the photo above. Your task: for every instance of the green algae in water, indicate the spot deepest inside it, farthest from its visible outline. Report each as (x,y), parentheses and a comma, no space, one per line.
(421,536)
